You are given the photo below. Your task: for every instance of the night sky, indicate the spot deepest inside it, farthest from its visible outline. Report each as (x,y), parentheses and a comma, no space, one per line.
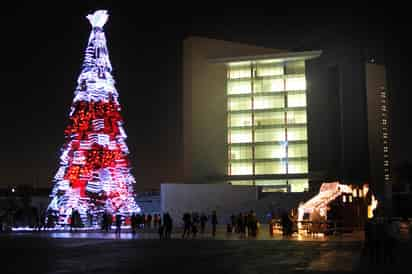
(43,50)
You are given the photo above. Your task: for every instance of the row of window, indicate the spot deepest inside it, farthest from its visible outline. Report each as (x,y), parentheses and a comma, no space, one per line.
(293,185)
(266,85)
(265,151)
(266,69)
(291,166)
(267,135)
(267,102)
(267,118)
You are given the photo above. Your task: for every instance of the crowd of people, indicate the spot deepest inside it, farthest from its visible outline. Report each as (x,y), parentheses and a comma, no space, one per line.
(137,221)
(142,222)
(382,235)
(195,221)
(244,224)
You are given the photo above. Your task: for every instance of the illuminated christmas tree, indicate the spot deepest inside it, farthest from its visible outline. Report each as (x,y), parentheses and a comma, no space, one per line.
(94,174)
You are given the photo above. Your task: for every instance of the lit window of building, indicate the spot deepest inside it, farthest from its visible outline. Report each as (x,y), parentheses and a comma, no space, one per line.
(267,121)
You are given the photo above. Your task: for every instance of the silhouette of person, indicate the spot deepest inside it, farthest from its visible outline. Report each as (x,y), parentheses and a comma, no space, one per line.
(118,223)
(214,223)
(186,224)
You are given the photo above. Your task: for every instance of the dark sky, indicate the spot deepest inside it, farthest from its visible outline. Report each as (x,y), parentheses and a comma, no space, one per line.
(43,51)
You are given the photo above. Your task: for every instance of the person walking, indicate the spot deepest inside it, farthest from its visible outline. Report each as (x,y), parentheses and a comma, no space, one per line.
(214,223)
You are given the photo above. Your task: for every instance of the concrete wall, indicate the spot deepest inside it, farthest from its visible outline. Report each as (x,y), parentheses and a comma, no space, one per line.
(224,198)
(205,106)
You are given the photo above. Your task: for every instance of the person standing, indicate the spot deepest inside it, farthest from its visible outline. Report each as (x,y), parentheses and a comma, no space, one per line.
(1,223)
(90,218)
(186,224)
(107,221)
(149,221)
(118,223)
(203,220)
(161,231)
(73,220)
(272,224)
(168,223)
(252,223)
(138,221)
(233,222)
(285,224)
(155,221)
(134,223)
(214,223)
(144,221)
(195,222)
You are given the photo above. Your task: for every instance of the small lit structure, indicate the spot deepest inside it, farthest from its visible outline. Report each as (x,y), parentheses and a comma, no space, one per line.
(355,205)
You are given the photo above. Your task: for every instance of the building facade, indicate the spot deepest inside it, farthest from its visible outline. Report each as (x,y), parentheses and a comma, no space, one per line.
(204,110)
(282,121)
(244,115)
(267,121)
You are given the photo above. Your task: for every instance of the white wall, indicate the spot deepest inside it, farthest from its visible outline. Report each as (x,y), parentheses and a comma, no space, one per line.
(224,198)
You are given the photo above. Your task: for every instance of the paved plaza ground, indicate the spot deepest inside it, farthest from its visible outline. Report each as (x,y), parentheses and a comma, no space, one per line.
(96,252)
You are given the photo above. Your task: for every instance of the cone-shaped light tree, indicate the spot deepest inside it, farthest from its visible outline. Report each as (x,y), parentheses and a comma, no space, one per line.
(94,174)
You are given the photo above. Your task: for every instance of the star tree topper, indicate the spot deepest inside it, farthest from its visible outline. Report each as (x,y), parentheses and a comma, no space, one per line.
(98,18)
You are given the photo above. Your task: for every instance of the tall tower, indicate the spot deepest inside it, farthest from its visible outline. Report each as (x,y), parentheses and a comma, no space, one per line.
(379,135)
(94,174)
